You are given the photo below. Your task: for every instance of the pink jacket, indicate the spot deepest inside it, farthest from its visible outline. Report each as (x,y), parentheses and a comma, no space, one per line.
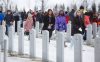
(28,25)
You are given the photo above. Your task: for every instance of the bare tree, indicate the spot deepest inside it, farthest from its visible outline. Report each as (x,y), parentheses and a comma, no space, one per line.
(99,7)
(35,8)
(42,6)
(94,7)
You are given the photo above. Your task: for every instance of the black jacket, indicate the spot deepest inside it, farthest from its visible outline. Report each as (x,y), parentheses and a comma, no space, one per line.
(78,23)
(46,23)
(9,18)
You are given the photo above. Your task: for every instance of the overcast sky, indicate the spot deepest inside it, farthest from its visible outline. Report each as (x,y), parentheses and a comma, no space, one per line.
(49,3)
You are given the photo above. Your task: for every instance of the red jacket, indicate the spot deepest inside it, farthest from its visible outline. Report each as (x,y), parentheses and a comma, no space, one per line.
(98,21)
(86,20)
(67,19)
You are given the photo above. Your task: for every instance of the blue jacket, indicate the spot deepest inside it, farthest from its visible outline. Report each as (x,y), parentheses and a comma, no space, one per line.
(60,23)
(1,17)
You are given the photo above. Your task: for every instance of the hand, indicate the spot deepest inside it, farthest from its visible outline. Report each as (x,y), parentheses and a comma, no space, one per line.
(80,29)
(11,23)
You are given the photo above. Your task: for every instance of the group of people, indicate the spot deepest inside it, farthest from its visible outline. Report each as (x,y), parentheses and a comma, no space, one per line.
(51,21)
(79,19)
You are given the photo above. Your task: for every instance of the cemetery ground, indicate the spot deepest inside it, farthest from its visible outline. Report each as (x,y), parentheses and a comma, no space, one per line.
(87,51)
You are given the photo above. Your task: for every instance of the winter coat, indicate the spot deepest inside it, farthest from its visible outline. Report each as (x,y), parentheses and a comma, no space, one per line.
(60,23)
(78,25)
(39,17)
(67,19)
(9,19)
(28,25)
(95,19)
(33,16)
(1,17)
(98,21)
(71,14)
(48,20)
(86,20)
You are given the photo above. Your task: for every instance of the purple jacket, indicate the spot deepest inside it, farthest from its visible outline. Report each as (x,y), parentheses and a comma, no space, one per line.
(60,23)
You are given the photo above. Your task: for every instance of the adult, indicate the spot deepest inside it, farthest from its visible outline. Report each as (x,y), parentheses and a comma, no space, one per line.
(9,20)
(60,23)
(49,22)
(1,16)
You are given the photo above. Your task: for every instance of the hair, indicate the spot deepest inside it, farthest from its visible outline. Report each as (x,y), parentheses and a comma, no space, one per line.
(66,12)
(52,12)
(9,11)
(75,14)
(60,13)
(81,7)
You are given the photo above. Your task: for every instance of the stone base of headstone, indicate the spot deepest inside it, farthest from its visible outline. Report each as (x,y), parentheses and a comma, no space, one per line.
(32,44)
(60,47)
(78,48)
(21,42)
(97,49)
(11,39)
(45,45)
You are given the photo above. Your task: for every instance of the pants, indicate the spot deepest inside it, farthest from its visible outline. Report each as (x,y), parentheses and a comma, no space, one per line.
(15,26)
(7,29)
(84,37)
(50,34)
(40,26)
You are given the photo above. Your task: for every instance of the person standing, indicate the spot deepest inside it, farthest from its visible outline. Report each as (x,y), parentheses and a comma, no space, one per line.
(49,22)
(86,23)
(9,20)
(16,18)
(60,23)
(98,19)
(23,17)
(78,23)
(28,24)
(39,18)
(1,16)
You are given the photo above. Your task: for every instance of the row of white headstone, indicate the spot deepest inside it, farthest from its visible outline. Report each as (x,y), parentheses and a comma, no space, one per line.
(78,39)
(93,31)
(45,42)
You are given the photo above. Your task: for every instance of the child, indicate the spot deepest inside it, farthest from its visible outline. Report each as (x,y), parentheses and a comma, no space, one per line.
(28,24)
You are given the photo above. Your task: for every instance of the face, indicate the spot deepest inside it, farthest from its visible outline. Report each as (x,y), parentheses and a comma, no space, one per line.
(61,12)
(9,12)
(50,12)
(81,10)
(78,13)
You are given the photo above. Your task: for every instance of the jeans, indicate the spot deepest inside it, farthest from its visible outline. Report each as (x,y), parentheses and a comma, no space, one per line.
(7,29)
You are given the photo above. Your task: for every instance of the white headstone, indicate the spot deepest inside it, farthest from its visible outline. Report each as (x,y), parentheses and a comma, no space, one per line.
(45,45)
(97,49)
(89,34)
(5,50)
(21,41)
(37,29)
(14,27)
(99,31)
(69,32)
(2,34)
(60,47)
(11,38)
(78,48)
(18,26)
(32,43)
(94,27)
